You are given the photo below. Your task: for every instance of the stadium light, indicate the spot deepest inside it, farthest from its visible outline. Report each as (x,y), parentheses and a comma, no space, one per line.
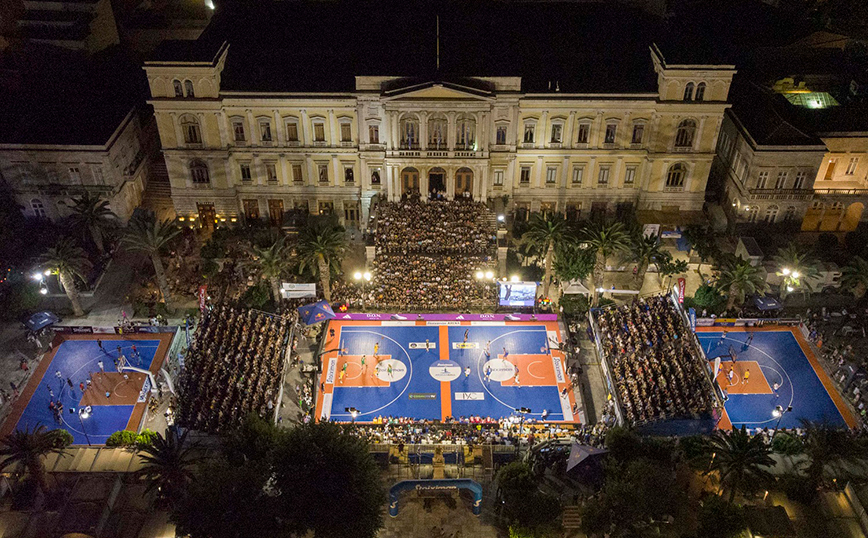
(514,278)
(353,412)
(795,274)
(367,276)
(489,275)
(480,275)
(357,275)
(43,291)
(785,271)
(778,412)
(501,218)
(36,276)
(790,288)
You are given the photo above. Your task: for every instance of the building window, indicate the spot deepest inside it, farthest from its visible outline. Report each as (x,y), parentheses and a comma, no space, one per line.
(584,132)
(752,214)
(851,167)
(410,134)
(271,172)
(375,177)
(199,172)
(437,129)
(323,173)
(638,133)
(251,209)
(700,91)
(179,90)
(688,92)
(74,174)
(528,133)
(790,215)
(799,182)
(611,130)
(373,134)
(498,177)
(296,174)
(551,175)
(246,176)
(238,130)
(781,181)
(265,131)
(830,170)
(501,135)
(292,132)
(762,180)
(192,134)
(319,132)
(326,208)
(188,86)
(771,214)
(603,176)
(465,133)
(557,132)
(348,175)
(630,176)
(685,133)
(578,172)
(98,177)
(524,178)
(346,132)
(675,176)
(38,208)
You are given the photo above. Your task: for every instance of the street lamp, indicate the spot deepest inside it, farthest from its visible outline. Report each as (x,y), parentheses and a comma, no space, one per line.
(778,412)
(364,278)
(83,414)
(785,271)
(480,275)
(353,412)
(514,278)
(489,275)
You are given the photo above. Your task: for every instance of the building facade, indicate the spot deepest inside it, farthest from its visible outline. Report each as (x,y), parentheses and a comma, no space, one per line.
(256,154)
(45,178)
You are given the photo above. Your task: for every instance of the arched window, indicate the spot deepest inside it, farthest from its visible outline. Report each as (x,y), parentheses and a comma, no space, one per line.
(675,176)
(790,215)
(771,214)
(685,133)
(179,90)
(188,86)
(199,172)
(410,133)
(700,91)
(190,126)
(437,129)
(465,133)
(688,92)
(38,208)
(752,213)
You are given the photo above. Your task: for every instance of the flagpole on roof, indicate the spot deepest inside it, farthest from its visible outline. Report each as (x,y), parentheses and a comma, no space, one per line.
(438,42)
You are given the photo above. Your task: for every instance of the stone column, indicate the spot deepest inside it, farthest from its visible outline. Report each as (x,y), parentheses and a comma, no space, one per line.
(252,136)
(278,133)
(423,131)
(697,141)
(334,139)
(179,133)
(222,127)
(541,130)
(339,173)
(568,130)
(450,131)
(203,131)
(305,125)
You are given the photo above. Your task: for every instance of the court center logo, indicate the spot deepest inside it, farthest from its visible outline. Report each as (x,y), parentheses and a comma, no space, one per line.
(445,370)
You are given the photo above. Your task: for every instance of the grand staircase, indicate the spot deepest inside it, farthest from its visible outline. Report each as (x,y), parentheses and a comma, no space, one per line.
(158,192)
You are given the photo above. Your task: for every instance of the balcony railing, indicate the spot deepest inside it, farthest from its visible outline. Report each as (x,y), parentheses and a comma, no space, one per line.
(841,191)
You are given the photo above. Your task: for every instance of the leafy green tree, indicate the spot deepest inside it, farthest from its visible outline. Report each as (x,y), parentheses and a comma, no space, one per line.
(703,241)
(28,448)
(798,268)
(69,261)
(854,276)
(572,262)
(604,240)
(740,280)
(523,504)
(543,234)
(645,250)
(270,264)
(720,519)
(829,451)
(321,245)
(92,217)
(741,460)
(668,267)
(327,482)
(148,235)
(708,297)
(167,465)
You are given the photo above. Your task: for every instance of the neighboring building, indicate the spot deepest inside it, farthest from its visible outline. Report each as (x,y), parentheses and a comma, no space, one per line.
(255,124)
(72,126)
(86,25)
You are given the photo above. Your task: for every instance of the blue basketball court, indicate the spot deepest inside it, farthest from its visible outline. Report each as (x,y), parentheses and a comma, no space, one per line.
(76,358)
(432,371)
(773,368)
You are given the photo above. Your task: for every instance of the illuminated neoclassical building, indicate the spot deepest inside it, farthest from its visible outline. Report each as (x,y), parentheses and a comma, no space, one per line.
(251,132)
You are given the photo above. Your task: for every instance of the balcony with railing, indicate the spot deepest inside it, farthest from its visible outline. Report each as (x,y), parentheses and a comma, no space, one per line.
(780,194)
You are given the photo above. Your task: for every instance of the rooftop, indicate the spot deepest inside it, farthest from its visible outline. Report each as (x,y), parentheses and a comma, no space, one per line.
(768,117)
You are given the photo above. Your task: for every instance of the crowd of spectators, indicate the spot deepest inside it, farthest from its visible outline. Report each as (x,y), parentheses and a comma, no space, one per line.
(232,368)
(656,370)
(428,253)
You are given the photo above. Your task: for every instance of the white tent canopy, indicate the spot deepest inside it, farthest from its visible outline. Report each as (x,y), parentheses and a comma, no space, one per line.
(574,287)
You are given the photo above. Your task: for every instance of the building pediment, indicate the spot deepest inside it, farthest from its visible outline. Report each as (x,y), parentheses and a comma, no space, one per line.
(437,91)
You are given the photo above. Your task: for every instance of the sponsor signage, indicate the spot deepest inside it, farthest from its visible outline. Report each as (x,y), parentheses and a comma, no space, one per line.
(422,396)
(443,323)
(203,295)
(559,372)
(465,345)
(289,290)
(446,317)
(330,373)
(691,312)
(469,396)
(681,285)
(423,345)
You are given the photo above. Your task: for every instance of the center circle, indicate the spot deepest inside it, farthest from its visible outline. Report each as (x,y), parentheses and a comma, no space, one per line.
(445,370)
(501,370)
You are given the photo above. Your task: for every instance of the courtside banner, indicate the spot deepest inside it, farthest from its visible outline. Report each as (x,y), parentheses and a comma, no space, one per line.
(445,317)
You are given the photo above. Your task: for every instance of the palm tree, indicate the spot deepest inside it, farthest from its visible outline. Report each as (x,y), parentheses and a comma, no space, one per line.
(148,235)
(320,246)
(69,261)
(741,459)
(605,240)
(572,262)
(90,215)
(168,464)
(798,267)
(27,448)
(270,264)
(644,250)
(544,233)
(855,276)
(740,280)
(828,450)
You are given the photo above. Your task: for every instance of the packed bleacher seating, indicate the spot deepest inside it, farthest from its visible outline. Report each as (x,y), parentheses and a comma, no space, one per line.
(655,367)
(232,368)
(428,253)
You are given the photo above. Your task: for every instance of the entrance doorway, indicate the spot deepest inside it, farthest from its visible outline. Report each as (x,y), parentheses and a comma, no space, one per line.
(207,215)
(409,180)
(275,212)
(463,182)
(437,180)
